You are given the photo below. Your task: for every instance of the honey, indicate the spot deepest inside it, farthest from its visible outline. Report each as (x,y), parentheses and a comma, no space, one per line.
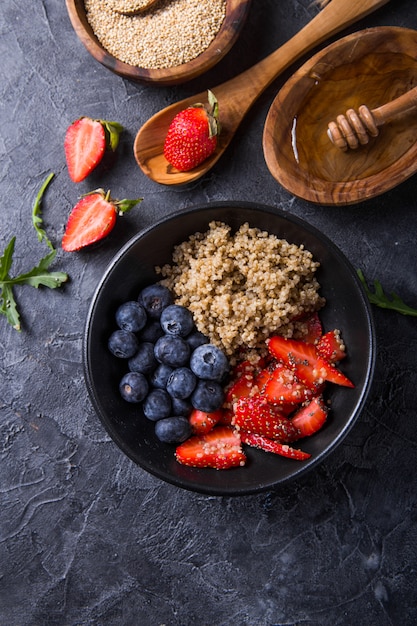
(373,80)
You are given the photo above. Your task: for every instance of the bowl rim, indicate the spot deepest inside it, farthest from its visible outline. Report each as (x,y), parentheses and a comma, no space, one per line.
(303,468)
(236,14)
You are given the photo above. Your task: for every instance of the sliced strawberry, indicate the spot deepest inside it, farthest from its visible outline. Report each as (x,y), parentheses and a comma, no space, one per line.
(220,449)
(93,218)
(311,417)
(269,445)
(84,145)
(314,329)
(255,415)
(227,417)
(303,359)
(239,388)
(247,367)
(329,372)
(283,387)
(331,347)
(202,422)
(262,379)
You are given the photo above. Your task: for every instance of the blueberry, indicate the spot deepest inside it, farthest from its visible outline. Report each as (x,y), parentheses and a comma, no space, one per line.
(143,360)
(172,350)
(181,407)
(160,376)
(196,339)
(131,316)
(157,405)
(177,320)
(123,344)
(181,383)
(133,387)
(151,332)
(173,429)
(208,396)
(209,362)
(154,299)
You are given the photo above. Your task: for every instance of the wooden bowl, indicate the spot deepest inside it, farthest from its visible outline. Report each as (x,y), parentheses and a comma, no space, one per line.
(236,13)
(370,67)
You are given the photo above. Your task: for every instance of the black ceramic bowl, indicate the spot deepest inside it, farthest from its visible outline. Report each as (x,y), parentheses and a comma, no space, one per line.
(133,267)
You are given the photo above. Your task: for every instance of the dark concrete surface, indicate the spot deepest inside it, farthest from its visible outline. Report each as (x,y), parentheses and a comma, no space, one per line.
(88,538)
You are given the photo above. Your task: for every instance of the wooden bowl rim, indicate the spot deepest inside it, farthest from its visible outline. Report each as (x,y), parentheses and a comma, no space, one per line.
(236,14)
(318,190)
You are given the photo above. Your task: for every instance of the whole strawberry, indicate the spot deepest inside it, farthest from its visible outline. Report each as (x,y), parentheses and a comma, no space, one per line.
(93,218)
(192,135)
(86,141)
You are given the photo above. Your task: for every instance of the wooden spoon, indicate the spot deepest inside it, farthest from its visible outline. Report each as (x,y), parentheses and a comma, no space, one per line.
(355,128)
(237,95)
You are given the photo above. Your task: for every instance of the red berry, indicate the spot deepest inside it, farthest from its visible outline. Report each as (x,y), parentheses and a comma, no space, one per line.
(93,218)
(192,136)
(85,143)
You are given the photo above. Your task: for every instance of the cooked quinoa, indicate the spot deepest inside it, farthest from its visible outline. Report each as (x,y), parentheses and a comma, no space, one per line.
(243,287)
(168,34)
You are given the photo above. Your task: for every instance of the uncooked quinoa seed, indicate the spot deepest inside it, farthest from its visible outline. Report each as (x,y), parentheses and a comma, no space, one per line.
(168,34)
(243,287)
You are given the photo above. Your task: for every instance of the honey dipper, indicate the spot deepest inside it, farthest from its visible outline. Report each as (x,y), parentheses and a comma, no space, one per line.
(354,128)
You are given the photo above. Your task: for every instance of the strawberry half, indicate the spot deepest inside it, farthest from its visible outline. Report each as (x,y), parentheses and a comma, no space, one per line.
(85,143)
(192,135)
(220,449)
(269,445)
(92,219)
(256,415)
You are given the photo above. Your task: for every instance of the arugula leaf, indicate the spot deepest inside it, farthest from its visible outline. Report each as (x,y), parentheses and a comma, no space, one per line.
(7,259)
(37,276)
(379,298)
(8,307)
(36,212)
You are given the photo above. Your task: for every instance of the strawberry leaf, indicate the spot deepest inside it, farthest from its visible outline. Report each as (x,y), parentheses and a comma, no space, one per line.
(112,130)
(380,299)
(125,205)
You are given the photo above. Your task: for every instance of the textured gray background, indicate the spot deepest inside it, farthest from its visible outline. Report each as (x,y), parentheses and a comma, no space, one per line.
(86,537)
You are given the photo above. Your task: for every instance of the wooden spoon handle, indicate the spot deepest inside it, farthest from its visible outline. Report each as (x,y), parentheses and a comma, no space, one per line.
(337,15)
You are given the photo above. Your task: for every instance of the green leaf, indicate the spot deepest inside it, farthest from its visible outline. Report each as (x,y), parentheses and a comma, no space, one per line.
(380,299)
(8,307)
(125,205)
(36,212)
(6,259)
(112,130)
(37,276)
(40,275)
